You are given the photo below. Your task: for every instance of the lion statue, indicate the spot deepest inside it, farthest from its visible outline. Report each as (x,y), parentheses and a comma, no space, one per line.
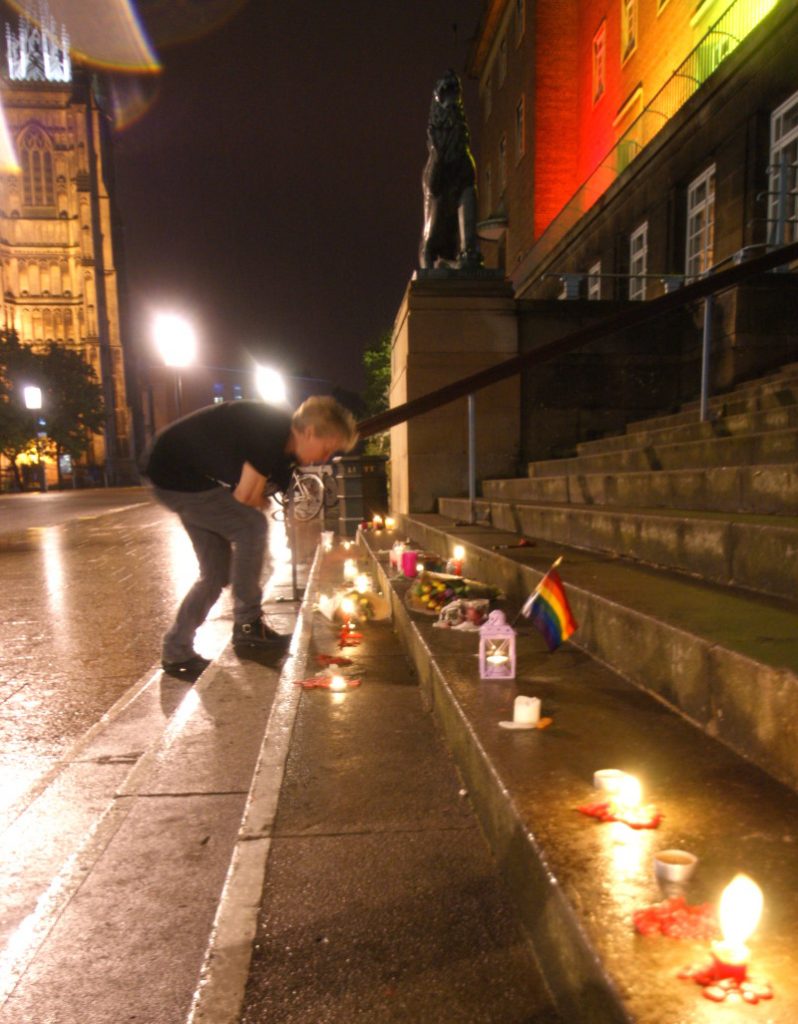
(449,238)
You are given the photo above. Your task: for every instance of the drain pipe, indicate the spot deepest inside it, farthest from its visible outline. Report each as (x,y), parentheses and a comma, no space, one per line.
(709,304)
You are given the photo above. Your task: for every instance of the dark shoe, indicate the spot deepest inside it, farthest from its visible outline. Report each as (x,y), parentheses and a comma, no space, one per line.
(257,634)
(189,666)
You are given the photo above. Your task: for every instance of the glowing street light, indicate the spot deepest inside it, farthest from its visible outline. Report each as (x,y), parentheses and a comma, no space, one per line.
(176,342)
(270,385)
(32,396)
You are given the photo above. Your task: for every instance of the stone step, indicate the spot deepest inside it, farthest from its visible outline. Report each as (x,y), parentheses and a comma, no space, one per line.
(577,883)
(754,396)
(778,446)
(714,653)
(754,552)
(782,418)
(763,489)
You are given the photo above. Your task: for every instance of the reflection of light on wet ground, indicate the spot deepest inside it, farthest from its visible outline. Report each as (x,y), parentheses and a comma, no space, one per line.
(52,555)
(278,556)
(626,851)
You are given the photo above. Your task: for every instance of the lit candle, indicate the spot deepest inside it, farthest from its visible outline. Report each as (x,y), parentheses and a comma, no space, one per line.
(419,567)
(376,522)
(326,540)
(497,659)
(390,523)
(350,569)
(362,583)
(337,683)
(627,796)
(409,563)
(526,710)
(739,912)
(348,607)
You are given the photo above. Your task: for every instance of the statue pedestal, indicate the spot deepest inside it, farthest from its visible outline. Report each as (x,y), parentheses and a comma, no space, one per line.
(448,327)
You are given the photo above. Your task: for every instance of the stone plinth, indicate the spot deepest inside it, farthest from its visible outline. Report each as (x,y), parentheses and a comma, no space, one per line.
(448,328)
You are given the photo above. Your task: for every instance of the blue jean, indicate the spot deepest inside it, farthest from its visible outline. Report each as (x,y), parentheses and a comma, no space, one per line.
(229,540)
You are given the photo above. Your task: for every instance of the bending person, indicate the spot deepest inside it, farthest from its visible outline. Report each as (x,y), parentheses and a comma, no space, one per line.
(212,469)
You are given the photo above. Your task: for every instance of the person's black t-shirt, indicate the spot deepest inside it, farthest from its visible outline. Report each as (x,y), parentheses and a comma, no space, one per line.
(209,447)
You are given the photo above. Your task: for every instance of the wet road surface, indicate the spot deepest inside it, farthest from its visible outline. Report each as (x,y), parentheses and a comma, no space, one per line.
(90,580)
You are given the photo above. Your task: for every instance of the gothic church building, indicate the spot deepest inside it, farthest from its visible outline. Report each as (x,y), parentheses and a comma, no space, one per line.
(58,235)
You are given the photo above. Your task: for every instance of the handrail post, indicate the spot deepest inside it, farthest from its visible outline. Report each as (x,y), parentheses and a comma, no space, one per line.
(709,303)
(472,454)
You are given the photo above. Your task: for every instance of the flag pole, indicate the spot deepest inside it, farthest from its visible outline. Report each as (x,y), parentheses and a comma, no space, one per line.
(534,593)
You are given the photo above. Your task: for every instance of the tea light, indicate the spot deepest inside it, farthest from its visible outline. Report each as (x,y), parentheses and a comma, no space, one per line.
(739,912)
(526,713)
(390,523)
(350,569)
(362,583)
(338,683)
(348,607)
(419,567)
(376,523)
(608,780)
(674,865)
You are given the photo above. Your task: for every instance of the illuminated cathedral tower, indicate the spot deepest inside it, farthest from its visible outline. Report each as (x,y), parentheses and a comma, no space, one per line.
(58,250)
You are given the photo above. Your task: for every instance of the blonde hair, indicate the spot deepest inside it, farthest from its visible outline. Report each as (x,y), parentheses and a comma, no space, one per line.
(327,418)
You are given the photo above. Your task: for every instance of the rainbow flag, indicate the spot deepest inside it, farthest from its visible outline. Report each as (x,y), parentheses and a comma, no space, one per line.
(549,610)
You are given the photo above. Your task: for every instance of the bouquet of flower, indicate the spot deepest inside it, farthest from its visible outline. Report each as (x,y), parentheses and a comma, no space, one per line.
(432,590)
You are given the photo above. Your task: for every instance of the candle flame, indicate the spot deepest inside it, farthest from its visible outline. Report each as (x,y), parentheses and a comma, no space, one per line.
(740,909)
(459,552)
(390,522)
(337,683)
(348,606)
(629,792)
(362,583)
(350,569)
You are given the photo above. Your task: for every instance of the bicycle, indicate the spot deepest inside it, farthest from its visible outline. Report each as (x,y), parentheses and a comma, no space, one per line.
(309,491)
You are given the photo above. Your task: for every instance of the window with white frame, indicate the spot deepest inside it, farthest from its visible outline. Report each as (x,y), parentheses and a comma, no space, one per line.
(520,130)
(502,61)
(783,178)
(700,223)
(638,262)
(594,281)
(599,62)
(520,20)
(628,28)
(502,164)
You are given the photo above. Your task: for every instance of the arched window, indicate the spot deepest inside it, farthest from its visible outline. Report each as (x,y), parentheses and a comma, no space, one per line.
(38,187)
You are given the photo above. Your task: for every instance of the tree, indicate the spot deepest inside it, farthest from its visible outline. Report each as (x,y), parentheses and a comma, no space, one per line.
(19,367)
(377,362)
(74,402)
(72,406)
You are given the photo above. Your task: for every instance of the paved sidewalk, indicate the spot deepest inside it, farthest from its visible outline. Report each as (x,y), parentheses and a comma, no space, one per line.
(381,901)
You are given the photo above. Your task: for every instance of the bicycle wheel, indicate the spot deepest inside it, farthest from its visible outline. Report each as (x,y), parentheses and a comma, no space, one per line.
(307,497)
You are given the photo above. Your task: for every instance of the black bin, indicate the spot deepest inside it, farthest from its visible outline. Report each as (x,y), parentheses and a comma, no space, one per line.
(362,490)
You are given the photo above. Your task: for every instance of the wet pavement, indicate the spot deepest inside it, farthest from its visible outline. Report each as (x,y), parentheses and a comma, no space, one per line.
(381,900)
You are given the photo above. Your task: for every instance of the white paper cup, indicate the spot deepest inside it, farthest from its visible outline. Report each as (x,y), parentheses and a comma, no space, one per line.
(608,780)
(674,865)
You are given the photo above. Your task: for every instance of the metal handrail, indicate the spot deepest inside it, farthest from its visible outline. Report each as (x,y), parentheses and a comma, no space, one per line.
(642,313)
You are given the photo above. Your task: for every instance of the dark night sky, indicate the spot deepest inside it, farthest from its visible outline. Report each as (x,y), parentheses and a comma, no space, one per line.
(272,189)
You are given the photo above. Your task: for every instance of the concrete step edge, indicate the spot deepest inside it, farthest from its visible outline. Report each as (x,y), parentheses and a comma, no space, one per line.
(761,557)
(572,925)
(763,489)
(745,449)
(665,657)
(735,425)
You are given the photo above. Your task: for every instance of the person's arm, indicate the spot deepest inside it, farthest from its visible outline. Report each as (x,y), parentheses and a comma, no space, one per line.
(251,488)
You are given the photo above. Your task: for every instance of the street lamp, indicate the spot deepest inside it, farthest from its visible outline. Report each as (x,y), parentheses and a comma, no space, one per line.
(176,342)
(33,402)
(270,385)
